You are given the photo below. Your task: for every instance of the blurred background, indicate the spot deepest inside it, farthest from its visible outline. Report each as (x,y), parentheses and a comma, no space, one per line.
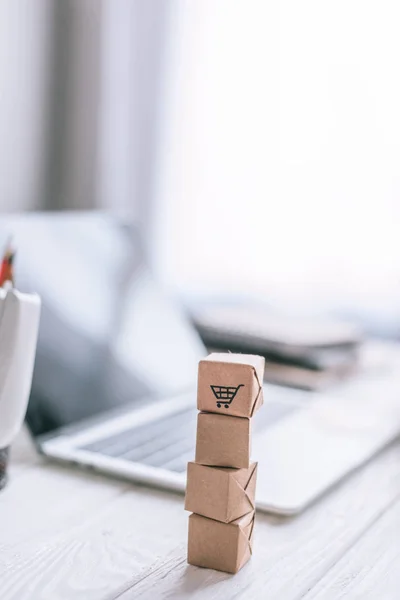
(257,143)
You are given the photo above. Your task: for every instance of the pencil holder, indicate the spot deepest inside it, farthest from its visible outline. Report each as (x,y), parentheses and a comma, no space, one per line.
(3,467)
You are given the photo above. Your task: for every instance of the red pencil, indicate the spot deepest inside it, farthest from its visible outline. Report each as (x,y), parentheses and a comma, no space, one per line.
(6,268)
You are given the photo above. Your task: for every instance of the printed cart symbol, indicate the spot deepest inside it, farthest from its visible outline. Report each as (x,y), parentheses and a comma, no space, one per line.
(225,395)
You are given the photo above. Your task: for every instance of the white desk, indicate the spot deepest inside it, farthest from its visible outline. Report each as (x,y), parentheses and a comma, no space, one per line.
(68,534)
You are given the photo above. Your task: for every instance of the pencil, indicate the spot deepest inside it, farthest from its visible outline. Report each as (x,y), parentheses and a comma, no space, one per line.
(7,266)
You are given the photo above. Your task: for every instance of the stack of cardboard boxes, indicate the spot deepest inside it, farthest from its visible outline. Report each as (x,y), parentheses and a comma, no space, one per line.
(221,482)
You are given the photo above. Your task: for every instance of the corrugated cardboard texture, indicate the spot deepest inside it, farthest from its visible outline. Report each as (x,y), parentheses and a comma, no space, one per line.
(231,384)
(223,441)
(221,546)
(220,493)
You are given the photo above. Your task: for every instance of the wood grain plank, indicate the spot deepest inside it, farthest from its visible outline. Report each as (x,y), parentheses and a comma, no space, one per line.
(71,534)
(290,555)
(92,558)
(88,537)
(371,568)
(46,498)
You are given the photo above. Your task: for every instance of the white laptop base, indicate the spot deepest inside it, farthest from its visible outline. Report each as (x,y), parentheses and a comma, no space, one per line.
(300,456)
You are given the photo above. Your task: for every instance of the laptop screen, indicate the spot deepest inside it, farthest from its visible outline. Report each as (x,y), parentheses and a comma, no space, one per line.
(109,336)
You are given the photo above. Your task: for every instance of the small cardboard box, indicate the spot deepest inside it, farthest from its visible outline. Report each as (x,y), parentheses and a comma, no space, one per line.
(220,493)
(221,546)
(231,384)
(223,441)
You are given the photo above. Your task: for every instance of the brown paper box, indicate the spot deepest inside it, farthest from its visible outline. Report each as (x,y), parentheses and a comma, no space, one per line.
(220,493)
(231,384)
(223,441)
(221,546)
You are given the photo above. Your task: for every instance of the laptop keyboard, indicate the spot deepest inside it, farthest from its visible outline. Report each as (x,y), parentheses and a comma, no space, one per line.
(169,443)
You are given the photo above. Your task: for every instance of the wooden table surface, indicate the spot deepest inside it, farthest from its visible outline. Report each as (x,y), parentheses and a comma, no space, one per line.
(70,534)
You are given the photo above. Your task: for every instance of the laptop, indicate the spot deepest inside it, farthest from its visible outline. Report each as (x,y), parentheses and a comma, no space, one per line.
(114,386)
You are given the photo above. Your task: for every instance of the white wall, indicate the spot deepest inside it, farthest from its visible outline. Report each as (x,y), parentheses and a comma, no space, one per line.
(80,88)
(133,67)
(48,103)
(24,81)
(281,167)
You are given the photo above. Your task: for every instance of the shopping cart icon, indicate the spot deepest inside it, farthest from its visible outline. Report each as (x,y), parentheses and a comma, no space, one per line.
(224,394)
